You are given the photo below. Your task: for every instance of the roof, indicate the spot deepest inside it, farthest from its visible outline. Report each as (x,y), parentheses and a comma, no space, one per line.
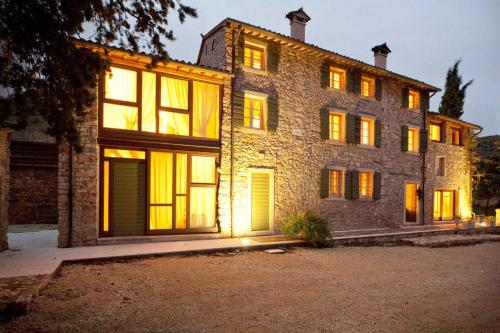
(458,121)
(339,57)
(88,43)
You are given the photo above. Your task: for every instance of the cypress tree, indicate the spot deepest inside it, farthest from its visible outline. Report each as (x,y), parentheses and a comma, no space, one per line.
(452,102)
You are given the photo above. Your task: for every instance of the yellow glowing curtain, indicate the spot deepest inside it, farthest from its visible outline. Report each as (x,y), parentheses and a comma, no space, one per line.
(161,178)
(448,200)
(437,205)
(160,217)
(174,123)
(181,174)
(205,110)
(202,206)
(174,93)
(121,84)
(435,132)
(105,209)
(120,116)
(148,102)
(335,127)
(203,169)
(124,153)
(180,212)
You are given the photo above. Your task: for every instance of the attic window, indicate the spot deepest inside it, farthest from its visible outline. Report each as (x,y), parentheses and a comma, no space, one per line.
(367,86)
(413,99)
(337,78)
(254,56)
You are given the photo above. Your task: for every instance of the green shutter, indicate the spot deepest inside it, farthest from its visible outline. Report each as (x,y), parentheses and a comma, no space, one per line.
(348,184)
(325,123)
(261,199)
(357,130)
(424,101)
(240,56)
(357,81)
(404,97)
(443,132)
(273,57)
(424,139)
(378,133)
(378,89)
(238,108)
(350,80)
(324,187)
(350,128)
(404,138)
(354,184)
(377,181)
(272,114)
(325,74)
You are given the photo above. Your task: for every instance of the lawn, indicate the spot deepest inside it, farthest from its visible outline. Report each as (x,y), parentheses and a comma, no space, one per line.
(363,289)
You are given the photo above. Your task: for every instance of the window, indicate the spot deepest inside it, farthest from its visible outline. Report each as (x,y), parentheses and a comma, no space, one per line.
(337,78)
(254,113)
(413,138)
(336,183)
(365,185)
(203,190)
(455,137)
(440,166)
(367,133)
(120,109)
(413,100)
(367,86)
(444,205)
(337,126)
(254,56)
(435,132)
(169,105)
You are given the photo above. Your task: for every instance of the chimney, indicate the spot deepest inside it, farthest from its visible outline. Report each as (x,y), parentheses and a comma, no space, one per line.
(380,53)
(298,19)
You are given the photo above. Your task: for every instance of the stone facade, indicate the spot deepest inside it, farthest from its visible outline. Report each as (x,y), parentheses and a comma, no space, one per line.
(296,153)
(4,186)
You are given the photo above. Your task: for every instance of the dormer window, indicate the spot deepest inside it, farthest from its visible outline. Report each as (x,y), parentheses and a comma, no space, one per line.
(413,99)
(254,56)
(367,86)
(337,78)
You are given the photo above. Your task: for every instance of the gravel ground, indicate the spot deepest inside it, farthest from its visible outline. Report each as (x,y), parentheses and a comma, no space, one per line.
(366,289)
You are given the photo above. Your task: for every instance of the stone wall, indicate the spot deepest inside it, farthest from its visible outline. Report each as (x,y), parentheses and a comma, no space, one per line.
(296,153)
(457,173)
(4,186)
(84,189)
(213,50)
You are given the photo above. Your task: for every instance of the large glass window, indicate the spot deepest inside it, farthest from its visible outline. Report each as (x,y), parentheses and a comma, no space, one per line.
(120,109)
(148,102)
(202,201)
(205,110)
(174,93)
(121,85)
(160,194)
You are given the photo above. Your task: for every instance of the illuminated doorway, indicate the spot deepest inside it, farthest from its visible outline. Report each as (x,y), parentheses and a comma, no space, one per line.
(411,202)
(444,205)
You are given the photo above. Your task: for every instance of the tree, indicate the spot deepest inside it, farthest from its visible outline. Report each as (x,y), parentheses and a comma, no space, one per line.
(487,189)
(46,75)
(452,102)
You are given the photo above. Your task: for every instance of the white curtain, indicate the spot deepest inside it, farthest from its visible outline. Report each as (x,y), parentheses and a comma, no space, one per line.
(205,110)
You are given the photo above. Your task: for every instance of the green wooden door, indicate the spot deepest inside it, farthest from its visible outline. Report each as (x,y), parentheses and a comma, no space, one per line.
(128,198)
(261,183)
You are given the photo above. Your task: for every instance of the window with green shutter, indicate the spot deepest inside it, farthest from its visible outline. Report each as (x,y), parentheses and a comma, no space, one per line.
(325,74)
(324,123)
(378,89)
(404,138)
(424,101)
(273,57)
(404,97)
(350,80)
(357,81)
(324,187)
(351,129)
(238,108)
(240,56)
(357,130)
(272,114)
(377,182)
(378,133)
(348,184)
(424,139)
(354,184)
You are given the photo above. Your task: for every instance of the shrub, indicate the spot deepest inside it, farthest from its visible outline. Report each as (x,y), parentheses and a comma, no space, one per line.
(311,227)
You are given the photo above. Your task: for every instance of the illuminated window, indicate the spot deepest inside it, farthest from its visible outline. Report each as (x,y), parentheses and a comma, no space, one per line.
(254,114)
(337,78)
(173,123)
(120,109)
(160,197)
(124,153)
(440,166)
(413,138)
(203,190)
(365,185)
(413,100)
(435,132)
(337,126)
(336,183)
(206,110)
(455,137)
(444,205)
(148,102)
(367,133)
(367,86)
(254,56)
(174,93)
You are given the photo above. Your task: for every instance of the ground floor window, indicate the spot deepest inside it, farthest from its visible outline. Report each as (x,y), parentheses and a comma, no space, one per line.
(444,204)
(157,192)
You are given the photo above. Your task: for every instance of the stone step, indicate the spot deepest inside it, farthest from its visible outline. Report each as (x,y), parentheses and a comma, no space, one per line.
(450,240)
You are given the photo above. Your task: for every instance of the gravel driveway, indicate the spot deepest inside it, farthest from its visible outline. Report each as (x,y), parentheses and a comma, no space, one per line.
(382,289)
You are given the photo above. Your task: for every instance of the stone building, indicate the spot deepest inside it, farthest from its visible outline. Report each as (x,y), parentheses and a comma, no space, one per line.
(265,125)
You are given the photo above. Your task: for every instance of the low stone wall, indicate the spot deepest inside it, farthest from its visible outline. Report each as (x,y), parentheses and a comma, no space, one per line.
(4,186)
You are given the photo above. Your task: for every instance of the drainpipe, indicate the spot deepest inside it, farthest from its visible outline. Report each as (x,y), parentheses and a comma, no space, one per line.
(233,79)
(70,196)
(424,162)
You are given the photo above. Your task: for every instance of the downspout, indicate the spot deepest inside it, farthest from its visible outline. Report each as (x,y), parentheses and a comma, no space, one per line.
(233,79)
(70,196)
(424,162)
